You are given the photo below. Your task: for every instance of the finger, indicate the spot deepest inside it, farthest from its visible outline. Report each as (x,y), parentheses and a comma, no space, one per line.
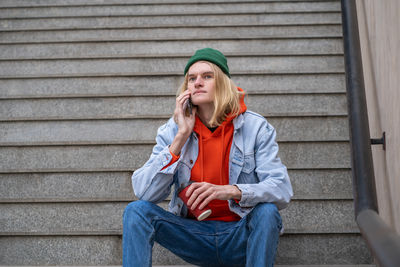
(202,196)
(185,104)
(192,198)
(192,187)
(184,94)
(207,201)
(197,201)
(179,109)
(181,100)
(193,192)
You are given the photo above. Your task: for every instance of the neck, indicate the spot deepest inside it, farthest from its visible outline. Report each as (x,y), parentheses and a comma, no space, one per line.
(205,113)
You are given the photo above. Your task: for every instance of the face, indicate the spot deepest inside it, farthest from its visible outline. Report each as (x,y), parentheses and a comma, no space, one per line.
(201,83)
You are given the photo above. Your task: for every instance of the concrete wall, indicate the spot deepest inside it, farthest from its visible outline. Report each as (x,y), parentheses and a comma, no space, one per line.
(379,24)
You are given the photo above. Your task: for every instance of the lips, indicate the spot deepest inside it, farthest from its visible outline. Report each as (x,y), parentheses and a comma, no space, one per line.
(199,92)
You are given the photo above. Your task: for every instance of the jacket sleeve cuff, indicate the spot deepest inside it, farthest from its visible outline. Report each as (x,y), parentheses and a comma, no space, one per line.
(169,161)
(172,160)
(247,196)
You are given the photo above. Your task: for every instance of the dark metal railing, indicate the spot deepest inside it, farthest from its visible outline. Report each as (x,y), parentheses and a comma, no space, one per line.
(383,241)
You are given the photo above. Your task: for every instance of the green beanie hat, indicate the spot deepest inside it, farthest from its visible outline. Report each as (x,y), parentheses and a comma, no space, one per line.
(210,55)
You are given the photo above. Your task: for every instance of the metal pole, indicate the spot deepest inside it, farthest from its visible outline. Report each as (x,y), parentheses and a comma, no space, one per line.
(362,166)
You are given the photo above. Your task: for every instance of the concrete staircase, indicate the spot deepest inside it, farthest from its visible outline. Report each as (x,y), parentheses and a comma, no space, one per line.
(84,85)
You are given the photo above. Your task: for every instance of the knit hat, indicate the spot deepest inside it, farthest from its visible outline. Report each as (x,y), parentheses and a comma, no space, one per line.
(211,55)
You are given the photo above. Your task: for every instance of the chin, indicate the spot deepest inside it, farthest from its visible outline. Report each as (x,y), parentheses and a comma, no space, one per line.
(198,102)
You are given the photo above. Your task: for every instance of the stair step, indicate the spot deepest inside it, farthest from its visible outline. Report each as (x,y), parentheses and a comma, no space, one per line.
(99,218)
(260,64)
(121,131)
(189,265)
(162,9)
(162,107)
(349,250)
(29,3)
(173,34)
(169,21)
(307,155)
(164,85)
(279,265)
(116,186)
(170,48)
(106,250)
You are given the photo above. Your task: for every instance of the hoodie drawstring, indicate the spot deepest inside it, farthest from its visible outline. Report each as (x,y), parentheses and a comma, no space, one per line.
(221,179)
(202,154)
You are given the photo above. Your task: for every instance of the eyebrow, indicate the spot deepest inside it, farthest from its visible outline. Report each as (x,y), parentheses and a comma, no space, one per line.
(207,72)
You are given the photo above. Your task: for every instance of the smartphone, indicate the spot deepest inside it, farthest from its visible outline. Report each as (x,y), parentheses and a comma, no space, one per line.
(187,107)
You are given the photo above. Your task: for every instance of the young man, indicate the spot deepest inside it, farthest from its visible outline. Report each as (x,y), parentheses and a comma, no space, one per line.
(228,155)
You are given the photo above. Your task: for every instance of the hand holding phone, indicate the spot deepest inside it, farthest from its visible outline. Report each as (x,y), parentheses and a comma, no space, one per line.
(187,107)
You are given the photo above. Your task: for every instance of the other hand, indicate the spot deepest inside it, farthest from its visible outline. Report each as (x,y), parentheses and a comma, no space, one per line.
(200,194)
(185,123)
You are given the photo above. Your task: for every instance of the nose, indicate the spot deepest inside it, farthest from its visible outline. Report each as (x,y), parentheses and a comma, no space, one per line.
(198,82)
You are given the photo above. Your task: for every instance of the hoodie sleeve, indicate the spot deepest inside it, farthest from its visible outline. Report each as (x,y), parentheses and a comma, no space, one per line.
(153,181)
(274,184)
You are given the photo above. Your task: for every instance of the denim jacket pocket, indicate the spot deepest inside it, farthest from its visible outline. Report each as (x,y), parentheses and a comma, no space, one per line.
(247,175)
(249,164)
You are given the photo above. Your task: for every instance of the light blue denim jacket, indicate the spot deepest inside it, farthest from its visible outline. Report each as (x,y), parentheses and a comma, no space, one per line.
(254,167)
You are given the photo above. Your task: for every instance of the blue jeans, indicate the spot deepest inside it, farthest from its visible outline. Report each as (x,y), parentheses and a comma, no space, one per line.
(252,241)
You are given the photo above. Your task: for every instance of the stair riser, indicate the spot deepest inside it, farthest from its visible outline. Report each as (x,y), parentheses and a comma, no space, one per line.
(168,21)
(263,64)
(165,85)
(117,186)
(106,218)
(106,250)
(38,3)
(156,107)
(131,10)
(131,157)
(193,33)
(129,131)
(187,48)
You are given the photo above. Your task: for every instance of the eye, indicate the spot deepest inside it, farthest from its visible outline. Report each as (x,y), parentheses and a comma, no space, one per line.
(208,76)
(191,79)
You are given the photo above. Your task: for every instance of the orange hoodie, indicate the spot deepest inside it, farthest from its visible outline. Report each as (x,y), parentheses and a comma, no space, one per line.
(212,164)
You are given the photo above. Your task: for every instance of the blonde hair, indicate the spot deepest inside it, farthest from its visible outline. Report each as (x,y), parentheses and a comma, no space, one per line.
(226,98)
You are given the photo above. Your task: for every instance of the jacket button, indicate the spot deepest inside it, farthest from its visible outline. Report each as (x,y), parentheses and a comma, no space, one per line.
(191,161)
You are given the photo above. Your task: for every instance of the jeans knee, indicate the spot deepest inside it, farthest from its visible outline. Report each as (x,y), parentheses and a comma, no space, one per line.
(266,214)
(265,208)
(136,210)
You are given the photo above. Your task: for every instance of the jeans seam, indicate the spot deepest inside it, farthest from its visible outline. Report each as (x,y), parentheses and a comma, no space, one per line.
(217,249)
(182,225)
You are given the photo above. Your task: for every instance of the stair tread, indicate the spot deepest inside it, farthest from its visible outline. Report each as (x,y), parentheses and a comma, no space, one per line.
(170,21)
(28,3)
(104,218)
(173,34)
(161,9)
(307,155)
(164,85)
(278,265)
(162,107)
(66,250)
(291,129)
(82,67)
(116,186)
(153,49)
